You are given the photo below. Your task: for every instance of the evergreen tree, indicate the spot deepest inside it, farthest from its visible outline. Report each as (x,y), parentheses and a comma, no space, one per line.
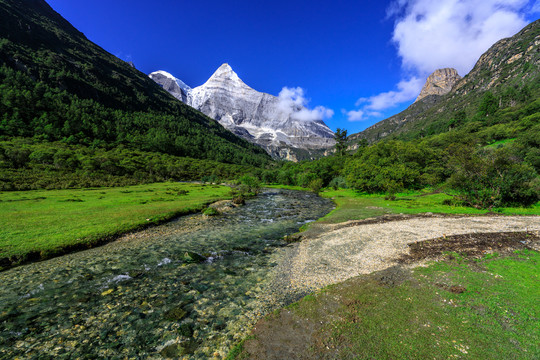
(341,141)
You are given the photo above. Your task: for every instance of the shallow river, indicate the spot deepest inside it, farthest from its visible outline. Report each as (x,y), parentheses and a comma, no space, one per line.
(144,297)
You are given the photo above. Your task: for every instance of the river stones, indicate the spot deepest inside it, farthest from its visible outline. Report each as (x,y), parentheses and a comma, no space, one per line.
(74,319)
(173,351)
(186,330)
(191,257)
(175,314)
(177,349)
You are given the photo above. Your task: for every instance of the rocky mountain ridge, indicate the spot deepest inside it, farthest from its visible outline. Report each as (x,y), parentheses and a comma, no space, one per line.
(258,117)
(510,65)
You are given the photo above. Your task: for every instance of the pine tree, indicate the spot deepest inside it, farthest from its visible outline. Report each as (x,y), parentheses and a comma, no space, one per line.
(341,141)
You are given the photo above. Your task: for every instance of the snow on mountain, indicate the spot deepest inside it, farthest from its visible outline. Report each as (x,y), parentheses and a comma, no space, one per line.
(258,117)
(175,86)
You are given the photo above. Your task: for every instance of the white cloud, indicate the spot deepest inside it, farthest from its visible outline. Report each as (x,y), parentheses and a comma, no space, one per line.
(430,35)
(292,102)
(407,90)
(355,115)
(453,33)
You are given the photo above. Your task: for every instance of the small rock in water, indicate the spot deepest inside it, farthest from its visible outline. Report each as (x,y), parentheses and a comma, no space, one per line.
(186,330)
(173,351)
(136,273)
(176,314)
(191,257)
(107,292)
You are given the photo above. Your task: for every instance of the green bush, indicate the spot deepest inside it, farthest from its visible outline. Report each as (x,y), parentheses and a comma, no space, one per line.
(339,182)
(386,166)
(493,178)
(315,185)
(211,212)
(249,185)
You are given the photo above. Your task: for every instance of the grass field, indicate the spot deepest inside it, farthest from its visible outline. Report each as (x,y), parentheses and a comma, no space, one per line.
(496,317)
(40,224)
(354,206)
(461,308)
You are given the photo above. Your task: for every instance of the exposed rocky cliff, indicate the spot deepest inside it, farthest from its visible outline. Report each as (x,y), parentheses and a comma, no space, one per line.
(439,83)
(258,117)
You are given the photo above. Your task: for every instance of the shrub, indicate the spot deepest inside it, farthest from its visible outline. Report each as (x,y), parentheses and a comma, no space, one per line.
(211,212)
(249,185)
(315,185)
(493,178)
(338,182)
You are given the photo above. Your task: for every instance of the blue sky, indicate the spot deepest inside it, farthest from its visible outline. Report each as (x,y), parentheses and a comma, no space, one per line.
(363,60)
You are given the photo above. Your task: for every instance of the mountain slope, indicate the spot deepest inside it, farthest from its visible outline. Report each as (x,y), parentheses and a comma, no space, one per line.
(57,85)
(509,72)
(258,117)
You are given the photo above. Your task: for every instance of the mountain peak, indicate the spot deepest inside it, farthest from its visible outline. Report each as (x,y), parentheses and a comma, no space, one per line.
(173,85)
(226,66)
(439,83)
(225,72)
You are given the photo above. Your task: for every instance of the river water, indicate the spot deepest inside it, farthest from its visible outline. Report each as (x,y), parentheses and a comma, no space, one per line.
(146,295)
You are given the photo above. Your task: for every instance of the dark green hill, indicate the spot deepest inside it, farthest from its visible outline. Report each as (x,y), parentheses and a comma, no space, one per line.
(56,85)
(502,88)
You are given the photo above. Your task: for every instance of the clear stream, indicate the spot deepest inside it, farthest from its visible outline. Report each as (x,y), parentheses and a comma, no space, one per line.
(144,297)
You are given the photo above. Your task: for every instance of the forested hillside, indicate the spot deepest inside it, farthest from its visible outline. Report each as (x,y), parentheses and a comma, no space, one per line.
(55,85)
(501,90)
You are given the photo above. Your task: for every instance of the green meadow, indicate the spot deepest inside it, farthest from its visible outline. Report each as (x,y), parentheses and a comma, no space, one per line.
(40,224)
(355,205)
(352,205)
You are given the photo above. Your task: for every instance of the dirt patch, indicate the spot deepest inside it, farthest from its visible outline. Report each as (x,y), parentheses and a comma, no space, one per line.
(289,334)
(282,336)
(471,245)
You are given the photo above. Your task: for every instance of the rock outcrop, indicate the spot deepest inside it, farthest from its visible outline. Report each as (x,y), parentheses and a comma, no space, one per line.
(439,83)
(258,117)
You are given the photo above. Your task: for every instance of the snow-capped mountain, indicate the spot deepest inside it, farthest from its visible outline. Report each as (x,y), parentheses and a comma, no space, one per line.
(258,117)
(175,86)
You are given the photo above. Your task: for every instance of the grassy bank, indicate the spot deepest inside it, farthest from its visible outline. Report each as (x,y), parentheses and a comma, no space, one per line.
(352,205)
(460,308)
(40,224)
